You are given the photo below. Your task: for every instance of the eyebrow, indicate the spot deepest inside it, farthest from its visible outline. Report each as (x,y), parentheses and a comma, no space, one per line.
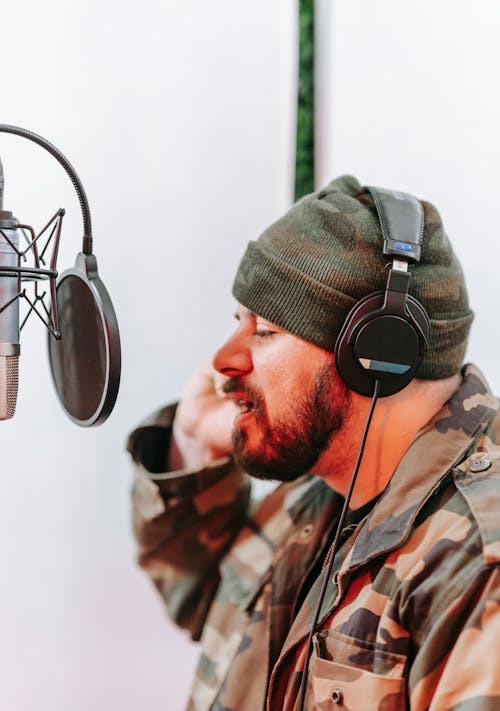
(250,314)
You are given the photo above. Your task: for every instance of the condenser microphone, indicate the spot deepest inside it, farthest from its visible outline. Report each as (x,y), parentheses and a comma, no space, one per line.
(9,310)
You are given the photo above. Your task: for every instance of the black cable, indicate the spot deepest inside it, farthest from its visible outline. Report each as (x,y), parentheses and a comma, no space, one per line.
(334,548)
(1,185)
(80,191)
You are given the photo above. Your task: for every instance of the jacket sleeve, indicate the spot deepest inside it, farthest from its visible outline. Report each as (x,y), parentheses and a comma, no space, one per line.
(457,668)
(183,522)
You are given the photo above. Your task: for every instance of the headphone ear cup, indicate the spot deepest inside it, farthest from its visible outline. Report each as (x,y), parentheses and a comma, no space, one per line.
(374,345)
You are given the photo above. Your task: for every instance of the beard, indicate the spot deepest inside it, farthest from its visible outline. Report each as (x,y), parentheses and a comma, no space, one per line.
(293,445)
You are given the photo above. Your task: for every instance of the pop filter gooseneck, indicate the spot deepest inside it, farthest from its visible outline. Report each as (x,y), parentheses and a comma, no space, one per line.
(84,345)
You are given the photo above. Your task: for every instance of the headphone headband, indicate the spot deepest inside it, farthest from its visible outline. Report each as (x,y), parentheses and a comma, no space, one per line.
(401,218)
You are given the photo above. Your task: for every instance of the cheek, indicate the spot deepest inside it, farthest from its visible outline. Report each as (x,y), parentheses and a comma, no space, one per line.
(282,385)
(288,370)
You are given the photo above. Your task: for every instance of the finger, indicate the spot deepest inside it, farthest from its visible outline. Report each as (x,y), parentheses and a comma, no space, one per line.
(218,427)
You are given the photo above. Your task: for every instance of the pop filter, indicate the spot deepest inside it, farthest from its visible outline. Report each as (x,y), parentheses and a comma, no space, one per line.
(86,360)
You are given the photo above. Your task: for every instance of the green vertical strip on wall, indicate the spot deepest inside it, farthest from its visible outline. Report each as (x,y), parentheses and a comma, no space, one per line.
(304,156)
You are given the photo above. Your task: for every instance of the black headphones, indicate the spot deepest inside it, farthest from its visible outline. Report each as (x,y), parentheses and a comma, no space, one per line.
(386,334)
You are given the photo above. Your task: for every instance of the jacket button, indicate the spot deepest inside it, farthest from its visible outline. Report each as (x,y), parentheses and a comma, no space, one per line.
(306,531)
(337,696)
(480,465)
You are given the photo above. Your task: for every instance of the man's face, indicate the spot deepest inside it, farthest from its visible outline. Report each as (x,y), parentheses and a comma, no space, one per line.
(290,398)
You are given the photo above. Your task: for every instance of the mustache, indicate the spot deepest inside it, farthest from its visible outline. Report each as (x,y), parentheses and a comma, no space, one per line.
(236,385)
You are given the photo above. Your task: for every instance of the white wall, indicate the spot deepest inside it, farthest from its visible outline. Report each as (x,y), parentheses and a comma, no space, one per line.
(408,99)
(178,116)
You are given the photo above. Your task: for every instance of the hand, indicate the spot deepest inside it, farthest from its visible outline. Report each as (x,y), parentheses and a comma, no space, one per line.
(203,422)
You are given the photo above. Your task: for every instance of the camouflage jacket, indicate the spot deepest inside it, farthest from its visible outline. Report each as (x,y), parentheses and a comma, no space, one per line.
(411,617)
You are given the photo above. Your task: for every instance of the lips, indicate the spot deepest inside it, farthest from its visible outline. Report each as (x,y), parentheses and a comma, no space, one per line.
(243,403)
(246,399)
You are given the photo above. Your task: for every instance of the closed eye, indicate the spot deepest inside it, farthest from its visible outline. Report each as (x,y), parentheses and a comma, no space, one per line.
(264,333)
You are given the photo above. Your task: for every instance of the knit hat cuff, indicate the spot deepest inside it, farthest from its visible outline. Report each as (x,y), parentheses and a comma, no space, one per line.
(289,298)
(448,343)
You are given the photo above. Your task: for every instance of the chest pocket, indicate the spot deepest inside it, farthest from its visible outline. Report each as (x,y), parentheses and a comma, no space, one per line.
(349,674)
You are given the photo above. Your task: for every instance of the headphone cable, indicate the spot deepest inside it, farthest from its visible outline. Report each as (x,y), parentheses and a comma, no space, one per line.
(335,546)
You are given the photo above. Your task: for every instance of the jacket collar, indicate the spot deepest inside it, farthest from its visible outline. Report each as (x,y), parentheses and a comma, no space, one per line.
(303,508)
(439,446)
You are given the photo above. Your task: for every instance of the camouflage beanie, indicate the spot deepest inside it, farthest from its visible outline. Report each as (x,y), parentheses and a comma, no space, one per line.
(308,269)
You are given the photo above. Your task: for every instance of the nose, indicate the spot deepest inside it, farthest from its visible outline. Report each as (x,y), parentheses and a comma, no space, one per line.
(233,358)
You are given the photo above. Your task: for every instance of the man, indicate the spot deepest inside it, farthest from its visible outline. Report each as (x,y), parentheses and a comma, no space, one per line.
(411,615)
